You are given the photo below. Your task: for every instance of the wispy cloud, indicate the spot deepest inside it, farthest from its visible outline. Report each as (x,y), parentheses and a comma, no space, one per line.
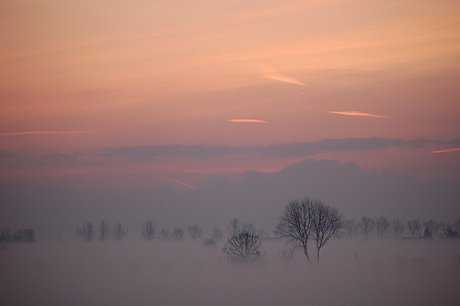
(43,133)
(283,78)
(447,150)
(180,182)
(357,113)
(247,120)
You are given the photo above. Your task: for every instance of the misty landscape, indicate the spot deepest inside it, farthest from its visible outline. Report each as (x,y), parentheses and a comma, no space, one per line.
(257,152)
(177,258)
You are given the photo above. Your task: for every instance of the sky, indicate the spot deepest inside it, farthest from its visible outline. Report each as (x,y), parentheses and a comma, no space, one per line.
(173,92)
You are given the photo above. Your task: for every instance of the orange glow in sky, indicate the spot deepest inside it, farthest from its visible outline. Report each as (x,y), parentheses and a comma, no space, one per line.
(43,133)
(283,78)
(447,150)
(158,73)
(247,121)
(360,114)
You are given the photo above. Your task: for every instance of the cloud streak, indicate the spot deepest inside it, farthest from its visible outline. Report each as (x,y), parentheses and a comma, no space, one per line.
(43,133)
(447,150)
(180,182)
(276,150)
(247,121)
(359,114)
(283,78)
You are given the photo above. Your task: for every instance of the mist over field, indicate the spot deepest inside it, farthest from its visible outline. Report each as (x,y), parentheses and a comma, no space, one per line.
(166,152)
(60,268)
(259,198)
(357,272)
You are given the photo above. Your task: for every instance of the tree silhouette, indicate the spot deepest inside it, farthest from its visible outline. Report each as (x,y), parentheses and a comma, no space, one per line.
(119,232)
(397,229)
(366,226)
(103,232)
(350,228)
(243,248)
(148,230)
(414,228)
(326,223)
(86,231)
(295,223)
(431,227)
(178,233)
(382,226)
(194,231)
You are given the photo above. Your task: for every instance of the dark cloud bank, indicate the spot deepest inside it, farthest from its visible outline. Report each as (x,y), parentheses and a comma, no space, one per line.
(276,150)
(259,198)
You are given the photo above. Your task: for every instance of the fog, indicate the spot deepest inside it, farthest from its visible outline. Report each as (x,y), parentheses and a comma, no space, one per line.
(357,272)
(54,211)
(61,269)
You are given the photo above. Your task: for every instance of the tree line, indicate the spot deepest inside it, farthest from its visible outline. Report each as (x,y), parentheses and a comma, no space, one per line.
(411,229)
(25,235)
(103,231)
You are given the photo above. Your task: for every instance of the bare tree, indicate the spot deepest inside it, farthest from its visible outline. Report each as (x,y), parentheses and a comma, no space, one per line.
(5,235)
(103,231)
(148,230)
(195,231)
(350,228)
(382,226)
(397,229)
(118,231)
(414,228)
(452,230)
(431,227)
(243,248)
(295,223)
(366,226)
(178,233)
(86,231)
(326,223)
(216,234)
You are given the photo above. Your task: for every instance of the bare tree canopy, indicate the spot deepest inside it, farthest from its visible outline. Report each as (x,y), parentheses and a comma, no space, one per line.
(414,228)
(295,223)
(103,232)
(326,223)
(243,248)
(178,233)
(366,226)
(397,229)
(118,231)
(309,219)
(350,228)
(86,231)
(148,230)
(195,231)
(431,227)
(382,226)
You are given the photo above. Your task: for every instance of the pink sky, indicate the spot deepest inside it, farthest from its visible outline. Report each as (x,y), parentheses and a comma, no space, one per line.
(80,78)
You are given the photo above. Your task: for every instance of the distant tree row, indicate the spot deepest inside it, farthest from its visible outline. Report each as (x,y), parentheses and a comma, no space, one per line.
(414,229)
(26,235)
(88,232)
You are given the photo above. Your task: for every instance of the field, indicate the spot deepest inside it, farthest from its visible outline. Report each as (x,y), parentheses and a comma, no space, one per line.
(374,272)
